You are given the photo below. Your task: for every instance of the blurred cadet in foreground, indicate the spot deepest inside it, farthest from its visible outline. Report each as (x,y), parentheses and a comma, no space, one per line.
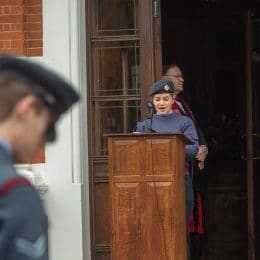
(32,99)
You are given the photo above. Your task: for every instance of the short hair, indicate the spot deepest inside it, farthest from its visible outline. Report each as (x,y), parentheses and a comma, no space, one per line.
(11,91)
(169,66)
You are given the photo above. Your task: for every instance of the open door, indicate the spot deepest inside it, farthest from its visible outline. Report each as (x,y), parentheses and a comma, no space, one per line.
(121,68)
(252,137)
(249,158)
(217,45)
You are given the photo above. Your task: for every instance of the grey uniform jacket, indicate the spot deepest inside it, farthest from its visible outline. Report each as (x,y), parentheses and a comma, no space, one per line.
(23,223)
(173,123)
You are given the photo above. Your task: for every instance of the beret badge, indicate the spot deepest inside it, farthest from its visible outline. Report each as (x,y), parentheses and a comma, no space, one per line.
(166,87)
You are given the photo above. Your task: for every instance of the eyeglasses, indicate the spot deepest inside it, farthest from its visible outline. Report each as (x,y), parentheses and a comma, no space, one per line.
(174,76)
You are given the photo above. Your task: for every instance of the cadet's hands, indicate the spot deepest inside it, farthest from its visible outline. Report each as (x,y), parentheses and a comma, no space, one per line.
(201,156)
(201,165)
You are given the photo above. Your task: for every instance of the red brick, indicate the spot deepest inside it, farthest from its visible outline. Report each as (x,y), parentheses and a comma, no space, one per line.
(34,2)
(18,51)
(11,2)
(17,44)
(34,35)
(21,27)
(6,10)
(11,19)
(33,43)
(34,52)
(3,51)
(10,51)
(16,27)
(33,10)
(11,35)
(33,18)
(16,10)
(7,44)
(6,27)
(33,27)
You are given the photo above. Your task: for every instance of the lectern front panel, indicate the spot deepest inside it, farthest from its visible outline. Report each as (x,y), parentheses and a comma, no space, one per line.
(147,196)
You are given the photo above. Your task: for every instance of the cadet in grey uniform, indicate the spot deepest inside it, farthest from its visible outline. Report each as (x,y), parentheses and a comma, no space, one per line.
(165,120)
(32,99)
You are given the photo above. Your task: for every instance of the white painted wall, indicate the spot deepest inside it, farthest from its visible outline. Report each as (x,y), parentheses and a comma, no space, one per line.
(64,51)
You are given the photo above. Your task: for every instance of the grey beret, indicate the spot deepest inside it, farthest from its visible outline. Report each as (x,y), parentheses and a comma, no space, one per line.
(161,86)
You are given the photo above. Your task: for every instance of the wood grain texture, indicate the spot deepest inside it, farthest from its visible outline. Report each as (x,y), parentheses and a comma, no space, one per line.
(147,196)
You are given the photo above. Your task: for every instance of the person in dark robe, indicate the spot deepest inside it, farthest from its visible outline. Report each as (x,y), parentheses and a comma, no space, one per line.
(173,72)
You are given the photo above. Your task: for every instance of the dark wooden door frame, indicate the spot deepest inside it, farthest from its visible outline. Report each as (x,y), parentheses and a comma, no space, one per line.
(249,135)
(150,51)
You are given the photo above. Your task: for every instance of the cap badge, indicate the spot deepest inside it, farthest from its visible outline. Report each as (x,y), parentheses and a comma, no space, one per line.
(166,87)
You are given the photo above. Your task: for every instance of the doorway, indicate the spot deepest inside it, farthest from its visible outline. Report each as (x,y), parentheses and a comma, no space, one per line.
(217,45)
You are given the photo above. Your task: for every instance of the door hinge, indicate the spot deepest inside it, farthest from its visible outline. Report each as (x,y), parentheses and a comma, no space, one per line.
(156,8)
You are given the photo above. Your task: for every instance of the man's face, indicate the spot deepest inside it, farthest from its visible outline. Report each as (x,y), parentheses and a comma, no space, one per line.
(175,75)
(163,103)
(32,130)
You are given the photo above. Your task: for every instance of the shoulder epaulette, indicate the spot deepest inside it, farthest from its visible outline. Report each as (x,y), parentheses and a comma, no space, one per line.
(12,183)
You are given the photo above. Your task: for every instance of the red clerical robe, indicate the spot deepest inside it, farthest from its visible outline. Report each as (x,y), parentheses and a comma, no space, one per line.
(197,215)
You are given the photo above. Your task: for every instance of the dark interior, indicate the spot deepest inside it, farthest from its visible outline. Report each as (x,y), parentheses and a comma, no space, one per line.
(207,39)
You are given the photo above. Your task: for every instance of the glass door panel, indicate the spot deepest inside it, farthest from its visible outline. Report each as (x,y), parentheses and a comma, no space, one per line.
(116,68)
(113,117)
(117,78)
(115,17)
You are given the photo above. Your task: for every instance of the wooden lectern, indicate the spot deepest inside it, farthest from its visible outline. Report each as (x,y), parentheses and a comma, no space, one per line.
(148,197)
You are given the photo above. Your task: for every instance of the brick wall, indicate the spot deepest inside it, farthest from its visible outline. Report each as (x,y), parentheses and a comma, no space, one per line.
(21,27)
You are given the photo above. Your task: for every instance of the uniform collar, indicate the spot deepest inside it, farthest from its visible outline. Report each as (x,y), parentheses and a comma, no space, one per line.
(6,146)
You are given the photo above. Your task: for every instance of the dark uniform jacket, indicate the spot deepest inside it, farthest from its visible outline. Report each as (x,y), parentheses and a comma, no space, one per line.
(23,223)
(184,109)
